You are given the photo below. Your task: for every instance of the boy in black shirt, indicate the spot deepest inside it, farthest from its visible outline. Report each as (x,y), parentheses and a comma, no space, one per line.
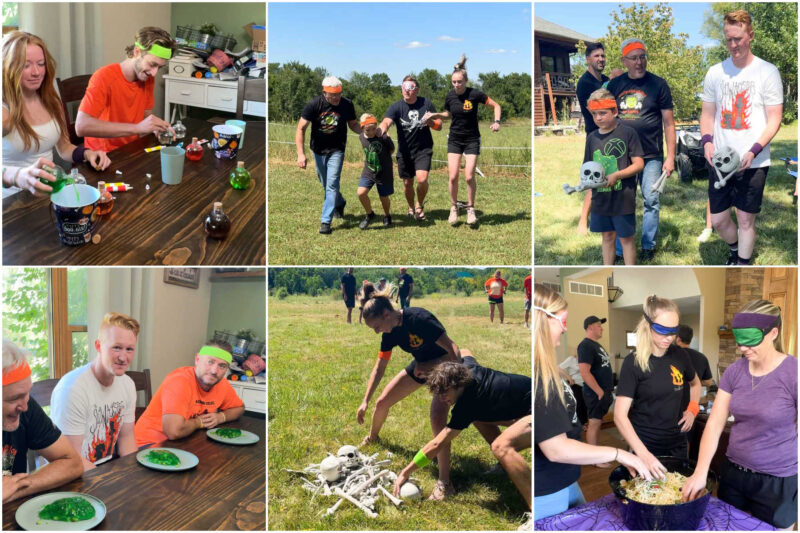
(377,169)
(616,147)
(348,285)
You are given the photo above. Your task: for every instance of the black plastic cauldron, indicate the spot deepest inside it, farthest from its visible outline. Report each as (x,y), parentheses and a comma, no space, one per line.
(647,517)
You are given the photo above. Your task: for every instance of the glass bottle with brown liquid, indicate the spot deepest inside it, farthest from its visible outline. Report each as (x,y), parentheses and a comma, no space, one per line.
(106,201)
(217,224)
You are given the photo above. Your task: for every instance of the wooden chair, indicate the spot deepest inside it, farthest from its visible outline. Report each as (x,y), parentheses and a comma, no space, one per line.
(254,89)
(72,90)
(142,382)
(41,392)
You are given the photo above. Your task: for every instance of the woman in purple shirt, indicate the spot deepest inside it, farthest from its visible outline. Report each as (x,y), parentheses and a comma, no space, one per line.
(760,471)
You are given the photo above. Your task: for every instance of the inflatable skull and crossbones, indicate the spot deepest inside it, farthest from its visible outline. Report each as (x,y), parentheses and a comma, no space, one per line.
(593,176)
(725,161)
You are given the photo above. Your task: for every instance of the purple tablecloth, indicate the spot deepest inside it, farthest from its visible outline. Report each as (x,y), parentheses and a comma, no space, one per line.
(605,514)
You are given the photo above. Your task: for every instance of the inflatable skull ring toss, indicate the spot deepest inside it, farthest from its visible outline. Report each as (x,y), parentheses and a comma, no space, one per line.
(725,161)
(357,478)
(593,176)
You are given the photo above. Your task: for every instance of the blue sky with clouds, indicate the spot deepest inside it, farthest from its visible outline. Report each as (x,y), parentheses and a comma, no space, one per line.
(401,38)
(593,18)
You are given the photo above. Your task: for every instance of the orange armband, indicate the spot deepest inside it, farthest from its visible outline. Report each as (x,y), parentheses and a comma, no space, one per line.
(693,408)
(385,355)
(437,124)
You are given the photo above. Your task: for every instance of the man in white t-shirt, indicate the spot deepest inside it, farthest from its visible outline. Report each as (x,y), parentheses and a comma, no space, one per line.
(94,405)
(742,108)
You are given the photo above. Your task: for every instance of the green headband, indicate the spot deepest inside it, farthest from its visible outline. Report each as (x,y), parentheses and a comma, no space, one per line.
(157,50)
(213,351)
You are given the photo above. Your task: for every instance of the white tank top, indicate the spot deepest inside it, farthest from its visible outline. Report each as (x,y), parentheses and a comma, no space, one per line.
(14,153)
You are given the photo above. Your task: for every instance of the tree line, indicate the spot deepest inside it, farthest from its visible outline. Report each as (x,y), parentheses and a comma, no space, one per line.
(293,84)
(318,281)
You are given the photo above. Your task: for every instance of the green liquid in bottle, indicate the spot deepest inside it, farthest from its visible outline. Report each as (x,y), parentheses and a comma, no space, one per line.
(240,177)
(61,178)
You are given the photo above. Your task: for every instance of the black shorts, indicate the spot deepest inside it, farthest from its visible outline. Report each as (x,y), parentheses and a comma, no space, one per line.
(350,302)
(597,408)
(769,498)
(464,146)
(495,300)
(466,361)
(744,190)
(408,165)
(677,448)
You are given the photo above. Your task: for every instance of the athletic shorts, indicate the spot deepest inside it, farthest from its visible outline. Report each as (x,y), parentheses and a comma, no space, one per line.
(624,225)
(408,165)
(467,361)
(771,499)
(350,302)
(384,189)
(744,190)
(597,408)
(527,305)
(466,146)
(495,300)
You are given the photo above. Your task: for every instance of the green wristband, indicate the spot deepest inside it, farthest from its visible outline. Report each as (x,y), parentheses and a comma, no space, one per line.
(214,351)
(421,460)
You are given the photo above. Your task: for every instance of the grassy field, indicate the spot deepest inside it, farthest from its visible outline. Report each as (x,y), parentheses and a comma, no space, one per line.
(318,370)
(557,242)
(501,236)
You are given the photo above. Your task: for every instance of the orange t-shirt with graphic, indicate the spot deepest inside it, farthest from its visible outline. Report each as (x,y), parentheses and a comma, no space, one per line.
(112,98)
(496,287)
(180,394)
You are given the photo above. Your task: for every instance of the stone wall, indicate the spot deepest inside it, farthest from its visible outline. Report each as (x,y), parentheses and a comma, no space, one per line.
(742,285)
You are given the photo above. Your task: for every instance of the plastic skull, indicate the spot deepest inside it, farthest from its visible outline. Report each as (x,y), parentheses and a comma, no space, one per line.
(330,468)
(410,491)
(592,172)
(725,159)
(348,456)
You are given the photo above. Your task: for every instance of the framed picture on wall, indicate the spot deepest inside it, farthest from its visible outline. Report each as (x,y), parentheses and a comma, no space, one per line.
(185,277)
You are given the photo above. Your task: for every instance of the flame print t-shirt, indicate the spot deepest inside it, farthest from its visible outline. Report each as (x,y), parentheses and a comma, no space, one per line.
(640,103)
(35,432)
(80,405)
(657,396)
(740,97)
(417,334)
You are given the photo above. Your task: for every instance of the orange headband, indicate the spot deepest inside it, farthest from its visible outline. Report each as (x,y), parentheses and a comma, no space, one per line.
(16,374)
(633,46)
(596,105)
(330,89)
(369,120)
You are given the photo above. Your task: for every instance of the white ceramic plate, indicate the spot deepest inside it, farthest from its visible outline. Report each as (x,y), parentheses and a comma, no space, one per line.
(245,438)
(188,460)
(27,515)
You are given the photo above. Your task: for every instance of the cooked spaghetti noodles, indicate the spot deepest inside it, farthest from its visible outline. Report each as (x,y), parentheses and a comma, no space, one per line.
(657,491)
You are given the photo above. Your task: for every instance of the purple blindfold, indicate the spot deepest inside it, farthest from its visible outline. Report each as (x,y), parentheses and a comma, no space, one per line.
(754,320)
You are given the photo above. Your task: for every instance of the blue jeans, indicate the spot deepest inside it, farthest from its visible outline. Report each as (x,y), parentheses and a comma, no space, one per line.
(329,170)
(652,203)
(558,502)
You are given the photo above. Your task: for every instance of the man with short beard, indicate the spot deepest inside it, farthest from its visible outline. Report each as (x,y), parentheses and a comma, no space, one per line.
(94,405)
(191,398)
(118,105)
(26,427)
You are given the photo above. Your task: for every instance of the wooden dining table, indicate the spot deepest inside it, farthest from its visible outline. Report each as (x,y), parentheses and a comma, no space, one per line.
(225,491)
(159,225)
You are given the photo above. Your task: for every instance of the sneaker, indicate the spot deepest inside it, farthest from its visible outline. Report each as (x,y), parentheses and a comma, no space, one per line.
(441,491)
(325,228)
(527,525)
(646,256)
(705,235)
(367,219)
(733,260)
(453,218)
(387,221)
(471,217)
(619,260)
(338,212)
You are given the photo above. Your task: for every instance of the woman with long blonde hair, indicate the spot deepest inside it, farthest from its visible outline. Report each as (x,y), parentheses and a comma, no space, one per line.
(557,430)
(760,391)
(33,122)
(649,409)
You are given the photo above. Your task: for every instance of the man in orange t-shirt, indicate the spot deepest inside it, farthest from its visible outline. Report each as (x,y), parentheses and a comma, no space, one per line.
(495,287)
(118,105)
(191,398)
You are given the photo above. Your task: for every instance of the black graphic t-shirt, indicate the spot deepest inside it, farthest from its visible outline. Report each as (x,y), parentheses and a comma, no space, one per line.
(587,84)
(592,353)
(491,396)
(35,432)
(413,135)
(657,396)
(349,282)
(464,113)
(377,158)
(404,282)
(640,103)
(551,419)
(417,334)
(328,124)
(701,368)
(614,151)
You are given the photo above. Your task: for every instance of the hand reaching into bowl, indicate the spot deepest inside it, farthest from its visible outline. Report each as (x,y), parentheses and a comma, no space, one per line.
(695,486)
(653,465)
(634,464)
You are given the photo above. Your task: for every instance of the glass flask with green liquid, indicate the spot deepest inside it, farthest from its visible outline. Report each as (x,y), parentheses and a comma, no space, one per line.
(240,177)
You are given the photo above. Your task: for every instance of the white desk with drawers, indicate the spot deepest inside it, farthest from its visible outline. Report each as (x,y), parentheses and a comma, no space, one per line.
(206,93)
